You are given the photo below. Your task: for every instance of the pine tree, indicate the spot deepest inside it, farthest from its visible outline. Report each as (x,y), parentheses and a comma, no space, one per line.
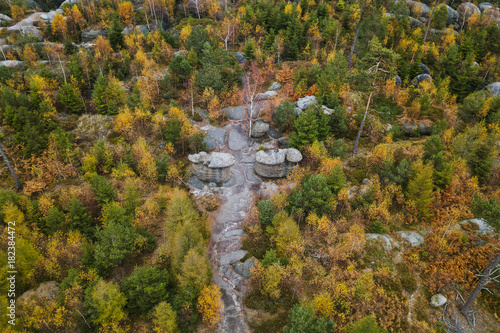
(70,99)
(420,188)
(115,35)
(98,96)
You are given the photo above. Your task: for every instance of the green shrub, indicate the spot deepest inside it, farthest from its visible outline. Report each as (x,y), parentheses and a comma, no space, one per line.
(266,212)
(302,319)
(407,277)
(285,114)
(377,227)
(146,287)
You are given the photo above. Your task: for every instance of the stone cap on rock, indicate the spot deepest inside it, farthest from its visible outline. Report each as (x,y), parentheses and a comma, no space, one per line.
(278,156)
(213,160)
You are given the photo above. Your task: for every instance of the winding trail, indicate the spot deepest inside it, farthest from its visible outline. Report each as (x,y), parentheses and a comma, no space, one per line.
(225,248)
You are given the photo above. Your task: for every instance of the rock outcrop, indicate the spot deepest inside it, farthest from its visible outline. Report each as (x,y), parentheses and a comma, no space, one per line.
(494,88)
(466,10)
(276,163)
(259,128)
(214,167)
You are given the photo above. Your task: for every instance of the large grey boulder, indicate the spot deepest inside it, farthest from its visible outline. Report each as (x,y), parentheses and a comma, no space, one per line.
(412,237)
(232,257)
(266,95)
(210,143)
(218,134)
(12,63)
(27,26)
(93,34)
(494,88)
(45,291)
(48,17)
(235,112)
(483,6)
(180,52)
(34,5)
(143,29)
(483,227)
(304,102)
(244,269)
(419,78)
(415,23)
(438,300)
(259,128)
(274,86)
(237,141)
(452,16)
(4,18)
(466,10)
(418,8)
(424,69)
(239,57)
(386,240)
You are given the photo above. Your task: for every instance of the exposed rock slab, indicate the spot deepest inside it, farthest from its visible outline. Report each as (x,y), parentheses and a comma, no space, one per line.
(494,88)
(483,227)
(237,141)
(412,237)
(304,102)
(385,239)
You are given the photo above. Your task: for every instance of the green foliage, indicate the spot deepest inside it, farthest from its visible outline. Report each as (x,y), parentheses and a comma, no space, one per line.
(104,191)
(366,325)
(146,287)
(116,240)
(489,209)
(377,227)
(106,303)
(54,221)
(313,195)
(196,273)
(336,148)
(310,126)
(70,99)
(209,77)
(164,317)
(420,188)
(266,212)
(285,114)
(336,180)
(197,39)
(302,319)
(397,174)
(433,152)
(180,68)
(115,35)
(407,277)
(270,258)
(481,160)
(98,96)
(440,18)
(79,218)
(249,49)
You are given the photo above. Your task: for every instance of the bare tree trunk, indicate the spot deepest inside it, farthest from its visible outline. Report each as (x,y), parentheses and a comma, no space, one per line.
(356,36)
(355,150)
(6,161)
(485,279)
(430,20)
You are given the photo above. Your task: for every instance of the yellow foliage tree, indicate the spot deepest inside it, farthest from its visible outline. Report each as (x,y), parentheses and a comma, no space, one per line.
(209,305)
(59,26)
(126,12)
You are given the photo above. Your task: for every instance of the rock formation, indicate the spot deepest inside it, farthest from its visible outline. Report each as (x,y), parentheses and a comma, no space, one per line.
(276,163)
(214,167)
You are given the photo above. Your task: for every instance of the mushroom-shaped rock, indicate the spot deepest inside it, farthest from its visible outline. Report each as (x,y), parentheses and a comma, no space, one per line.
(494,88)
(214,167)
(276,163)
